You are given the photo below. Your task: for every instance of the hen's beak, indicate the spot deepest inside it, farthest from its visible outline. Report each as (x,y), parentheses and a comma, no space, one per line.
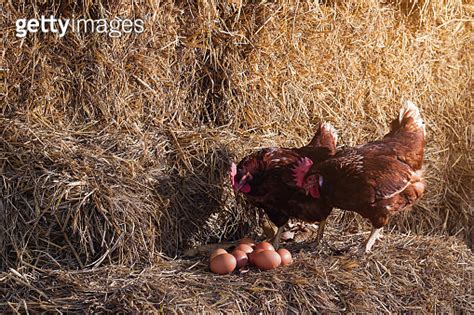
(239,186)
(242,182)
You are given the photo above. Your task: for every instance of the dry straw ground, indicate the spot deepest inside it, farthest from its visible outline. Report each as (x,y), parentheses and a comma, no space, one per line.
(407,273)
(115,151)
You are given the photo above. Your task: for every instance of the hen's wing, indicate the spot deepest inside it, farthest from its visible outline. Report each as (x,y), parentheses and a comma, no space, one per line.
(388,175)
(280,165)
(272,174)
(283,196)
(352,180)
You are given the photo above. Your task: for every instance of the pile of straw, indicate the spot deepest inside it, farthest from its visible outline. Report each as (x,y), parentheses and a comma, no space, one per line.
(114,152)
(405,274)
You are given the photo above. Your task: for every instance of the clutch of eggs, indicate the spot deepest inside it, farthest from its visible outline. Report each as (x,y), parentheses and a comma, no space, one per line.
(261,255)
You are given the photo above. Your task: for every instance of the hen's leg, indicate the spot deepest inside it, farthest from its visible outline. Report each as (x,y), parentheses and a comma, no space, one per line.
(374,235)
(276,239)
(321,226)
(269,229)
(279,220)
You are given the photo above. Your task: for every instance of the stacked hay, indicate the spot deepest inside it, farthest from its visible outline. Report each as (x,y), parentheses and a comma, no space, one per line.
(116,149)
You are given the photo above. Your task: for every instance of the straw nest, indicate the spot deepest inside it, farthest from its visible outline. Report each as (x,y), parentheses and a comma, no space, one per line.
(116,150)
(406,273)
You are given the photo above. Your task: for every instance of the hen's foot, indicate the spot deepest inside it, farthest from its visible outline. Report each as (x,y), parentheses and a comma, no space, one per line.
(374,236)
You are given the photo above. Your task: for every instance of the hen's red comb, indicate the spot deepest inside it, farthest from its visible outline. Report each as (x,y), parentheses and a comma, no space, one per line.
(233,172)
(300,170)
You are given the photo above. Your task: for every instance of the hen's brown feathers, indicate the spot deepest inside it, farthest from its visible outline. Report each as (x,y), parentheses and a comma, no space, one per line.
(352,178)
(375,180)
(407,136)
(379,178)
(273,187)
(325,137)
(272,180)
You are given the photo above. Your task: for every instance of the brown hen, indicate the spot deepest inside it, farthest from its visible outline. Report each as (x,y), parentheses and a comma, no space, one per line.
(376,179)
(268,179)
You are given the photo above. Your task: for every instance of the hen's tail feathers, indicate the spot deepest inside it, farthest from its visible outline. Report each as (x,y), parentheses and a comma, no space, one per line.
(410,110)
(326,136)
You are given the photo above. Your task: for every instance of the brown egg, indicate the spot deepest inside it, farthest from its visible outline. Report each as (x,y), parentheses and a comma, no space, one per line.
(252,255)
(285,255)
(265,246)
(267,259)
(217,252)
(241,257)
(223,264)
(247,240)
(246,248)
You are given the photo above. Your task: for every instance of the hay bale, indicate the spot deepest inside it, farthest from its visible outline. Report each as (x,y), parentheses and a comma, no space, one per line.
(116,149)
(406,273)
